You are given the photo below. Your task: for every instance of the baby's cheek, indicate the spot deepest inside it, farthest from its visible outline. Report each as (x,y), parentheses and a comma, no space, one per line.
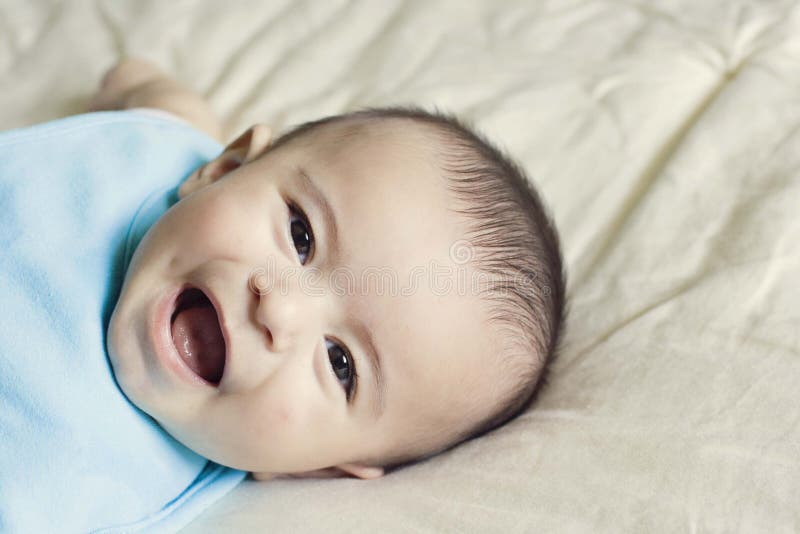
(218,221)
(282,416)
(213,228)
(289,419)
(277,418)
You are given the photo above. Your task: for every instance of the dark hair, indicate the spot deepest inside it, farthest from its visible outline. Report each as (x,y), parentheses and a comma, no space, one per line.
(512,239)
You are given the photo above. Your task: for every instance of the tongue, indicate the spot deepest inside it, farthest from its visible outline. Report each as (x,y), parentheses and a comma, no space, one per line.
(197,336)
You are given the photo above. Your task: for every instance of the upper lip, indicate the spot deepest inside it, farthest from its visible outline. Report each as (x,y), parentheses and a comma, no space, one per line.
(222,325)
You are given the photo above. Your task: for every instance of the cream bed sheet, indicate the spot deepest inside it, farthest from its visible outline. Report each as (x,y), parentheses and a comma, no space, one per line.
(666,137)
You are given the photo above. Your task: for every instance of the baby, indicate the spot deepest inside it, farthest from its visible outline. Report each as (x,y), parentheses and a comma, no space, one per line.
(365,291)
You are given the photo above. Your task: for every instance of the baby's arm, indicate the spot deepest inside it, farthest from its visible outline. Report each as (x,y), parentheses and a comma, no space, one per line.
(134,83)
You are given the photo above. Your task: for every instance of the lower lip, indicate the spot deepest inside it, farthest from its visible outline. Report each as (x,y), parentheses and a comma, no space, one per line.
(164,347)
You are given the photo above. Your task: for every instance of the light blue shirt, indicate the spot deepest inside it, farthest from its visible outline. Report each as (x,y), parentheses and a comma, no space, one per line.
(76,196)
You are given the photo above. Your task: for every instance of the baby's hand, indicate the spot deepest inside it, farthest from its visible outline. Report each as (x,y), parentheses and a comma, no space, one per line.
(136,83)
(122,82)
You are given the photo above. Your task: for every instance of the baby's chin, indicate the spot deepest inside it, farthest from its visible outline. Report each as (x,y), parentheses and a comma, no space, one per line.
(126,346)
(123,366)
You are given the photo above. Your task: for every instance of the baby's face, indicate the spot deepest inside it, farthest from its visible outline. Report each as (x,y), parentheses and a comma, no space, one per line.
(294,307)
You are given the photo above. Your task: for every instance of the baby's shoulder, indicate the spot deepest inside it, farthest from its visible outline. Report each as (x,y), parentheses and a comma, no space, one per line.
(150,122)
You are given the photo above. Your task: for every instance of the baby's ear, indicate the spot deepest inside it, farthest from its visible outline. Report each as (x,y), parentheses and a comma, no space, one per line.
(365,472)
(244,149)
(343,470)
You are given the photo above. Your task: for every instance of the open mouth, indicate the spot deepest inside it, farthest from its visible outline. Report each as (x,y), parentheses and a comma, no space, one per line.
(197,335)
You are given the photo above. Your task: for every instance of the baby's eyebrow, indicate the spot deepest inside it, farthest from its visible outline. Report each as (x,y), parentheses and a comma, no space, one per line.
(379,386)
(328,214)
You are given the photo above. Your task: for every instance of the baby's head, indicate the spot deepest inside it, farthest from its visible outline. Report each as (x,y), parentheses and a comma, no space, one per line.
(368,290)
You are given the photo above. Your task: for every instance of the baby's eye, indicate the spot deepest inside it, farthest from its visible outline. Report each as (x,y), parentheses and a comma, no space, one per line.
(343,366)
(302,236)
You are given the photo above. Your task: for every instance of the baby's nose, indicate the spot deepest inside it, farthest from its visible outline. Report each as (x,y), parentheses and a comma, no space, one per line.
(280,310)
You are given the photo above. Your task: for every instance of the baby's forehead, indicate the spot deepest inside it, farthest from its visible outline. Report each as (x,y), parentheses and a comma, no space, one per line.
(443,364)
(395,133)
(398,206)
